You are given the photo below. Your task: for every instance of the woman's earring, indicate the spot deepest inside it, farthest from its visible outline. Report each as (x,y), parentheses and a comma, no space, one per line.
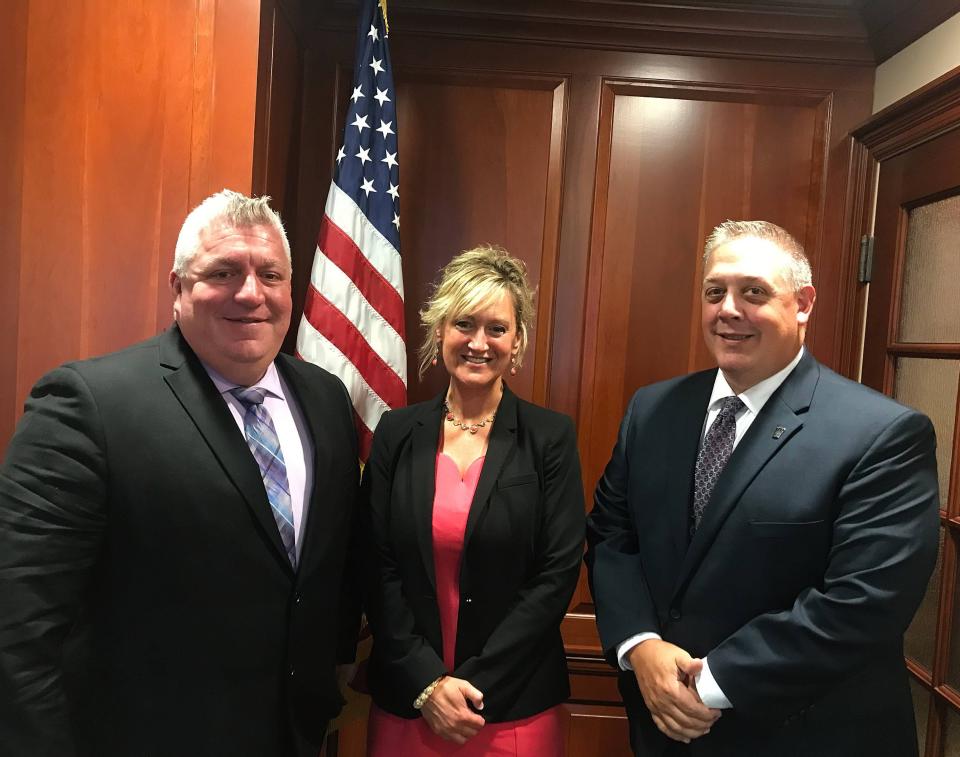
(513,365)
(436,354)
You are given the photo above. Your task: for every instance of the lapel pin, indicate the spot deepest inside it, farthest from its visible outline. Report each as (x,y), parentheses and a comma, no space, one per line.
(778,432)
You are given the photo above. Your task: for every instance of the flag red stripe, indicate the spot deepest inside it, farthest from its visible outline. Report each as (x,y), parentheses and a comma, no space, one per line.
(342,250)
(364,436)
(345,336)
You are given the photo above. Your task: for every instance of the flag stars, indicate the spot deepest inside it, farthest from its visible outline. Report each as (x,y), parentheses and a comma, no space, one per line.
(381,96)
(367,186)
(390,159)
(341,154)
(394,191)
(396,221)
(375,65)
(373,33)
(357,94)
(385,129)
(364,156)
(361,123)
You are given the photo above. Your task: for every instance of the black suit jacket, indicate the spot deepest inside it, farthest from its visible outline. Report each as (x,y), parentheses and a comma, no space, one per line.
(522,549)
(810,561)
(148,605)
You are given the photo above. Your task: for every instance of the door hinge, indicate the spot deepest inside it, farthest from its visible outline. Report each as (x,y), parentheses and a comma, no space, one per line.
(866,260)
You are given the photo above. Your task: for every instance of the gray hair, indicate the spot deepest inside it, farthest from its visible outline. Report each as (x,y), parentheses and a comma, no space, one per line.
(797,273)
(231,209)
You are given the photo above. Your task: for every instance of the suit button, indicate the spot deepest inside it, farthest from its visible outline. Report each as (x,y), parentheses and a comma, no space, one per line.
(297,599)
(675,613)
(468,600)
(292,671)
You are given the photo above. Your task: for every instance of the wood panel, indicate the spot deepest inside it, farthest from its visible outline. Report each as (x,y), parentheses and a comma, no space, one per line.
(125,115)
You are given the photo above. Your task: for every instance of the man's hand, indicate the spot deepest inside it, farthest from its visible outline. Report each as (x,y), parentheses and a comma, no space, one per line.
(447,712)
(665,675)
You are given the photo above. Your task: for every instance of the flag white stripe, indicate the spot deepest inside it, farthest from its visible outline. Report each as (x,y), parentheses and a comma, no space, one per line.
(327,278)
(343,211)
(316,348)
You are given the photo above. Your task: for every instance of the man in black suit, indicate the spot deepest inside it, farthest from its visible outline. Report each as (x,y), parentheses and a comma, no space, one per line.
(174,526)
(763,534)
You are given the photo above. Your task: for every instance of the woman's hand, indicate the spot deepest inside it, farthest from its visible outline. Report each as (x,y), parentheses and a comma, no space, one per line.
(448,714)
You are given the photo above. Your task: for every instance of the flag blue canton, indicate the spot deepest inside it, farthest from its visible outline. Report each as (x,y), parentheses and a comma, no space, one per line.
(367,167)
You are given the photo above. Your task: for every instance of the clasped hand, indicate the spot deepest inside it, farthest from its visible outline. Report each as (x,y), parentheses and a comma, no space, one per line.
(665,674)
(448,714)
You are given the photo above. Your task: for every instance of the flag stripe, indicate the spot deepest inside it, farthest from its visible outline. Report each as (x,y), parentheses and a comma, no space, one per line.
(376,248)
(316,348)
(364,435)
(338,289)
(340,248)
(345,336)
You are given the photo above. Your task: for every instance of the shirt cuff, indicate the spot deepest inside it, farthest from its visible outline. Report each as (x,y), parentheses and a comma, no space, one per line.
(709,690)
(624,647)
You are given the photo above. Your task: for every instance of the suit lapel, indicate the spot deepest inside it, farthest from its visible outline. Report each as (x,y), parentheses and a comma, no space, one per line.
(680,442)
(778,421)
(424,443)
(199,397)
(502,440)
(311,407)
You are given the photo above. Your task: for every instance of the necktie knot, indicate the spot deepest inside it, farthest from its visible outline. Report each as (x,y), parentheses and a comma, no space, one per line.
(249,396)
(731,406)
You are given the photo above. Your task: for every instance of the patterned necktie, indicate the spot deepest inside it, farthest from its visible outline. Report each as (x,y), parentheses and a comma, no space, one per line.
(713,456)
(265,446)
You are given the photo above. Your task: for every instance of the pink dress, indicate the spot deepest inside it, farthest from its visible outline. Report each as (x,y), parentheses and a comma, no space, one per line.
(389,736)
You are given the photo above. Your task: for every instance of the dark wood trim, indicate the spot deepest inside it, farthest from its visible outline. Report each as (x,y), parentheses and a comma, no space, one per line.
(932,351)
(894,24)
(924,115)
(823,32)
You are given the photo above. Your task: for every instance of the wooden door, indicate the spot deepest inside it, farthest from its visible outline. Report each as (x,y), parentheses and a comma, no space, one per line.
(912,352)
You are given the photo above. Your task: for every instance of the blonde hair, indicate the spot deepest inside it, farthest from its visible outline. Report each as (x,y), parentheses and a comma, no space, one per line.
(231,209)
(470,282)
(797,273)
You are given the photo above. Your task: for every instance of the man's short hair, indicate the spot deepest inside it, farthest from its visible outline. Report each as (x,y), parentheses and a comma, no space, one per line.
(231,209)
(797,273)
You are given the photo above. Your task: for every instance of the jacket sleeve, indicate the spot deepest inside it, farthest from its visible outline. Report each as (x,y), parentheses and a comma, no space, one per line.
(542,601)
(409,661)
(623,604)
(52,520)
(883,550)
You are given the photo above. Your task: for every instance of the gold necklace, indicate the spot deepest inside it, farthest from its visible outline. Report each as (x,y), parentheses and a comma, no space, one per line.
(457,423)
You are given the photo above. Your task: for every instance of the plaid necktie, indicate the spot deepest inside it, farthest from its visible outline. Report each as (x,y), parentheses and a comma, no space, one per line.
(713,456)
(265,446)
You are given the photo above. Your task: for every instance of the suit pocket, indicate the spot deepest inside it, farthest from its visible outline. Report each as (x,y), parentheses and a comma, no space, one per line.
(771,529)
(526,478)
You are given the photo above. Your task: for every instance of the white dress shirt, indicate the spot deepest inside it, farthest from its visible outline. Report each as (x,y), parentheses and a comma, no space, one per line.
(753,400)
(291,426)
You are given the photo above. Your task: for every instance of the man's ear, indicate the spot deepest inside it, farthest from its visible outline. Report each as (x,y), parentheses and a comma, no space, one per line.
(805,299)
(176,286)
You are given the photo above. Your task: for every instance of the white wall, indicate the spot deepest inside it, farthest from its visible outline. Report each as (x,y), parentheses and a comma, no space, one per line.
(931,56)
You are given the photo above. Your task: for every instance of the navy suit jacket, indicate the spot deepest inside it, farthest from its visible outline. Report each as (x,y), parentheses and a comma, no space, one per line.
(148,604)
(812,557)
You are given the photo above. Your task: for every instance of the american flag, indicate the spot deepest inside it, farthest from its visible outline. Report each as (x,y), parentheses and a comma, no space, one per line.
(353,315)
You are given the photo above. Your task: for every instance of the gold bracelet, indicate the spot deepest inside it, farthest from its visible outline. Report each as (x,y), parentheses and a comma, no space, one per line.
(421,700)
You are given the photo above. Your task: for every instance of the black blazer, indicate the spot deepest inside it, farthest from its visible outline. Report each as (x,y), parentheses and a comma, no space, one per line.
(810,561)
(148,605)
(524,539)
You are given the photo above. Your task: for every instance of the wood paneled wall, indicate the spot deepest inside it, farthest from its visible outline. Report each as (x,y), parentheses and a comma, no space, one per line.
(603,169)
(120,116)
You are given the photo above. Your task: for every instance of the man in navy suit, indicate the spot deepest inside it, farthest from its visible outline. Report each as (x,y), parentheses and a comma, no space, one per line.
(174,526)
(763,534)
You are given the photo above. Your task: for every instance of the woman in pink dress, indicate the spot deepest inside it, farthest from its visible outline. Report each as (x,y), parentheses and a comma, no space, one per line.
(477,519)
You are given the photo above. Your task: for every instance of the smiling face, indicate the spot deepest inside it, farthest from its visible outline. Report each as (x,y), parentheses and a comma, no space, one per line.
(233,303)
(753,322)
(476,348)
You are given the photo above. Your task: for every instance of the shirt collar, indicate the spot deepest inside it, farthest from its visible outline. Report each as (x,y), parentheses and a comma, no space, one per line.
(270,381)
(757,395)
